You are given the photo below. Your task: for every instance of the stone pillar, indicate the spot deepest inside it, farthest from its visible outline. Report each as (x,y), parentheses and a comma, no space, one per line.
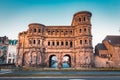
(59,60)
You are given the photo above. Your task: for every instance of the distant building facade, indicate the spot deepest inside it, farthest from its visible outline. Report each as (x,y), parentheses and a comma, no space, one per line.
(107,53)
(3,49)
(39,44)
(12,52)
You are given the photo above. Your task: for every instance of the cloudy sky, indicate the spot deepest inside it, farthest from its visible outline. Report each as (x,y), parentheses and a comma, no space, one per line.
(15,15)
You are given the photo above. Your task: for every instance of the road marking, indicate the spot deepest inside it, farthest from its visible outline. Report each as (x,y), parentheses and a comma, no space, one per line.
(77,79)
(5,72)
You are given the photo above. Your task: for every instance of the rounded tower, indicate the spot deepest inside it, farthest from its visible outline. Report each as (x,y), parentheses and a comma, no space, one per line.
(83,38)
(35,33)
(81,18)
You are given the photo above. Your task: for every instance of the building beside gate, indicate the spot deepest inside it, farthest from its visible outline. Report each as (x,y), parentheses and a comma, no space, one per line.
(46,46)
(11,52)
(3,49)
(107,53)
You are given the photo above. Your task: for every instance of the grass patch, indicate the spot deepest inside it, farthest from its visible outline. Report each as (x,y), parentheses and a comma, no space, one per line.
(65,69)
(53,75)
(26,72)
(68,69)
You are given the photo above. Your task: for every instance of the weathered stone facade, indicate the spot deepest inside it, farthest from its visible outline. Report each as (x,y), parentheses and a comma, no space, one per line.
(4,42)
(39,43)
(108,52)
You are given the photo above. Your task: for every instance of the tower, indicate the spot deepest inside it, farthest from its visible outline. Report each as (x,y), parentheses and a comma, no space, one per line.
(83,38)
(36,41)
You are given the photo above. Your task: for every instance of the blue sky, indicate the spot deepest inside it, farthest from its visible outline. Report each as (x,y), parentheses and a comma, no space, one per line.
(15,15)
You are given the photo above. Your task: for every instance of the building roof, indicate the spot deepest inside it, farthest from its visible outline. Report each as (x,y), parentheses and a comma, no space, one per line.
(13,42)
(3,38)
(83,12)
(51,26)
(36,24)
(113,40)
(100,46)
(59,27)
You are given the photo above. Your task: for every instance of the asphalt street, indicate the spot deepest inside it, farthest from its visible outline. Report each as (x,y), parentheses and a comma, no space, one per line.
(63,78)
(95,75)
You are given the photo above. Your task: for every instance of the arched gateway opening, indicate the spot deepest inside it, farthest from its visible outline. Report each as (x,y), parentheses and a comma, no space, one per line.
(53,62)
(66,62)
(25,59)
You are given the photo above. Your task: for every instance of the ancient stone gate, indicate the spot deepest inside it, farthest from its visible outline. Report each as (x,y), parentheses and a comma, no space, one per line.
(47,45)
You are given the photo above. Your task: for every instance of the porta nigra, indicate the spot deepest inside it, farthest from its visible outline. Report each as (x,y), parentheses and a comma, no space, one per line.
(57,46)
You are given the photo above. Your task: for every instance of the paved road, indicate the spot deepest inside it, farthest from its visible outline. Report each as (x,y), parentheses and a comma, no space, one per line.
(64,78)
(107,73)
(98,75)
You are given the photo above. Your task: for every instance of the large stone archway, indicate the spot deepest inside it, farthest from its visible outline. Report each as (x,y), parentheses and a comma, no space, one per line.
(53,61)
(61,59)
(30,59)
(26,59)
(66,61)
(33,58)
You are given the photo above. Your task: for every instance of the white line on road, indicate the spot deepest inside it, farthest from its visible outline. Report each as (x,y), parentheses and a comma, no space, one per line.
(4,72)
(77,79)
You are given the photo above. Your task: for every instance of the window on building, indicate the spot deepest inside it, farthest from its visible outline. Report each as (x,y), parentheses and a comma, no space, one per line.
(84,19)
(80,30)
(80,41)
(48,43)
(57,32)
(84,29)
(13,60)
(3,41)
(61,32)
(53,43)
(70,32)
(34,30)
(57,43)
(39,30)
(14,55)
(66,32)
(85,41)
(53,32)
(43,49)
(9,60)
(49,32)
(66,43)
(71,44)
(38,41)
(79,19)
(9,54)
(62,43)
(34,42)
